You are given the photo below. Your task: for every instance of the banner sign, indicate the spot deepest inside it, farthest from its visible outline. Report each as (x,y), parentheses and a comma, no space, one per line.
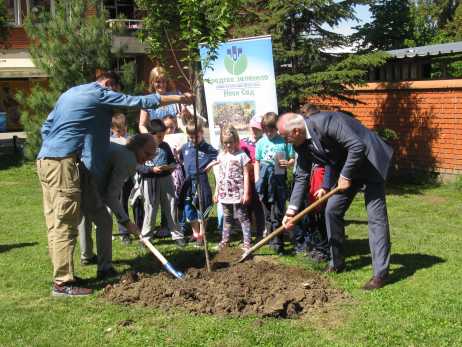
(239,84)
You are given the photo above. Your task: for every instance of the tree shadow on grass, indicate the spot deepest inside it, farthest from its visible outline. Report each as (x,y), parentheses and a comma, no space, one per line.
(8,160)
(407,189)
(147,263)
(409,263)
(9,247)
(181,259)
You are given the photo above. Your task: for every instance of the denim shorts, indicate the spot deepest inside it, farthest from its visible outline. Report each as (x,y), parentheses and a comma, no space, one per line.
(190,212)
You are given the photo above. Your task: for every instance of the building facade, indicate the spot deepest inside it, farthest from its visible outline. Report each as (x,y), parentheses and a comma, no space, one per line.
(415,96)
(17,70)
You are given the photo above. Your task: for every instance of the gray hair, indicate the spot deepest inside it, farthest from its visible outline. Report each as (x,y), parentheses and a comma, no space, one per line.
(291,121)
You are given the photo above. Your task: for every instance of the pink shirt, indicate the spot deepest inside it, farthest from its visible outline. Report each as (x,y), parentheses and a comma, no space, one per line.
(248,146)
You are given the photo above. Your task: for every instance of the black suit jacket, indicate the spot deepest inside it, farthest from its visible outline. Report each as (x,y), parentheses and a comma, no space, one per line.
(344,143)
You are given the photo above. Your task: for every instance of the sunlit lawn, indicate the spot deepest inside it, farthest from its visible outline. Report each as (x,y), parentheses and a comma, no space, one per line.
(421,307)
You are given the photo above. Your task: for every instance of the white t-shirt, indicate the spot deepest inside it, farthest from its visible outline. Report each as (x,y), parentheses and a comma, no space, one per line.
(231,177)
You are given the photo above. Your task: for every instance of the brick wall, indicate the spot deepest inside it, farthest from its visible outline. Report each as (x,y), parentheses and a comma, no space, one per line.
(427,115)
(17,39)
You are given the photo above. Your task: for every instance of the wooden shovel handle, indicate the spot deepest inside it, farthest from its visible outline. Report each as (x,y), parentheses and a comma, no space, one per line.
(154,251)
(151,247)
(294,220)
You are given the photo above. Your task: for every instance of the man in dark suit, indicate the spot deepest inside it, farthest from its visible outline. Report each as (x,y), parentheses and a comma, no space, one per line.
(362,159)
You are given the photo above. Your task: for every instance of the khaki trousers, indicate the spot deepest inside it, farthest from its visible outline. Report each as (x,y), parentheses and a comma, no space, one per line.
(60,180)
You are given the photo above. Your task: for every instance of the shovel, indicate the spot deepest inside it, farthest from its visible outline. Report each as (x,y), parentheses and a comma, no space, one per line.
(165,263)
(294,220)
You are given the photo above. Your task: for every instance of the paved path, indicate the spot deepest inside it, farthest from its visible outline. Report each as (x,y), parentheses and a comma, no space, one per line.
(9,135)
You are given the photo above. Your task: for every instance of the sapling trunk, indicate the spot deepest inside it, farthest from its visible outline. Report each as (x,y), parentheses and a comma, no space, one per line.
(199,193)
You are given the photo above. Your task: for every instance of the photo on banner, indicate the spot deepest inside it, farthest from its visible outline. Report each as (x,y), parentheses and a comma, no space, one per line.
(239,84)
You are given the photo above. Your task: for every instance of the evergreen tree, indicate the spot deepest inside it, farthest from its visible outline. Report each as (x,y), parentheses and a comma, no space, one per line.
(131,86)
(3,23)
(69,48)
(302,46)
(3,44)
(391,25)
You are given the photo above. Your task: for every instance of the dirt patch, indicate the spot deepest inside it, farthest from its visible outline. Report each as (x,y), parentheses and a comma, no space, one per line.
(256,288)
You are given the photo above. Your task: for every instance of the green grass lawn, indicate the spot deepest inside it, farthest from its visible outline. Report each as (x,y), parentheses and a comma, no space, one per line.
(422,306)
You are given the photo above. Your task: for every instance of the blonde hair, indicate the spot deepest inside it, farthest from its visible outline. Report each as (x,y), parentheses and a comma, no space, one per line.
(228,131)
(156,73)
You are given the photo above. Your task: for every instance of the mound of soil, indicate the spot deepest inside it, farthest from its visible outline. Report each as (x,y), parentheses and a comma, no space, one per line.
(257,288)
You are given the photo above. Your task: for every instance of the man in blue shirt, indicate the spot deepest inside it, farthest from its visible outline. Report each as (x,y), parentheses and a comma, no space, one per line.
(79,128)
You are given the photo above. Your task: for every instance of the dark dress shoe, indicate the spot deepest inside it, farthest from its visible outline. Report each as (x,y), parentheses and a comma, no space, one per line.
(336,270)
(374,283)
(106,274)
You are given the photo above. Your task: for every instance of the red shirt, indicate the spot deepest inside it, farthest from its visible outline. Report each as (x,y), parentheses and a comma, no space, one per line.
(316,180)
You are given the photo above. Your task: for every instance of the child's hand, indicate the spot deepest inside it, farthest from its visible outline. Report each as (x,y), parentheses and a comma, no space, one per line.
(157,169)
(320,193)
(245,199)
(215,198)
(283,163)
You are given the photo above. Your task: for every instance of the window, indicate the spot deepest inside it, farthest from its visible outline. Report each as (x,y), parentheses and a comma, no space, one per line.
(40,6)
(17,10)
(120,8)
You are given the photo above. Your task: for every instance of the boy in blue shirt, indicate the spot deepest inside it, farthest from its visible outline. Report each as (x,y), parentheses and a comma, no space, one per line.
(189,198)
(157,186)
(273,156)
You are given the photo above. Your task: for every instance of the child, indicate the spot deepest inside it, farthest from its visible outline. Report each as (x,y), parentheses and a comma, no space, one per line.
(119,134)
(157,186)
(273,156)
(233,185)
(189,199)
(176,139)
(320,183)
(248,145)
(171,125)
